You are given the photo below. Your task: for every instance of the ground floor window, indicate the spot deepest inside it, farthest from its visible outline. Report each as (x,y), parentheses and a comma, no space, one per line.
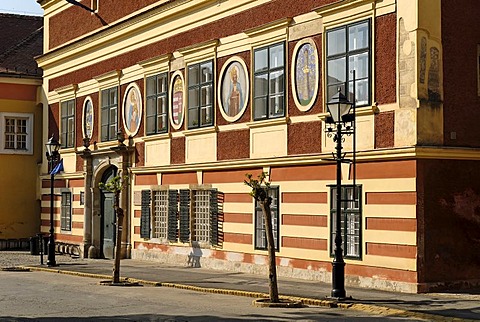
(181,216)
(351,219)
(66,211)
(260,232)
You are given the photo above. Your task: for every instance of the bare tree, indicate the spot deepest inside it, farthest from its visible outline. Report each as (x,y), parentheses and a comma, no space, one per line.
(116,185)
(259,192)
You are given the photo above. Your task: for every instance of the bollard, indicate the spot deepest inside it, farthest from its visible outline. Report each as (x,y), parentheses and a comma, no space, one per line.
(41,241)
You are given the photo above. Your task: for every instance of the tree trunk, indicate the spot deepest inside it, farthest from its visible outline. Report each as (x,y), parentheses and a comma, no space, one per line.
(118,242)
(272,267)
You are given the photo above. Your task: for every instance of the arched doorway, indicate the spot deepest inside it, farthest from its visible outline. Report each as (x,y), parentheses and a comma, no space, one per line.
(107,215)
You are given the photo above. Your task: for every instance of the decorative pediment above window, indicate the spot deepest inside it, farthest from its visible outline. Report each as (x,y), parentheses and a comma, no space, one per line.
(109,79)
(156,65)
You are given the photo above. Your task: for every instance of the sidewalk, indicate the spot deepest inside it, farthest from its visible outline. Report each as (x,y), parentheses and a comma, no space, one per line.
(431,307)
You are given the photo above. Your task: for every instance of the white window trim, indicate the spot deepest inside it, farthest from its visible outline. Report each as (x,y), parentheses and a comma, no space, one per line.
(29,142)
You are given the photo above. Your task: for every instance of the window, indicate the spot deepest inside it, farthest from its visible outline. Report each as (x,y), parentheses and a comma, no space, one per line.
(348,49)
(160,214)
(269,82)
(67,116)
(157,103)
(185,216)
(160,211)
(351,219)
(17,133)
(260,232)
(109,117)
(200,95)
(66,211)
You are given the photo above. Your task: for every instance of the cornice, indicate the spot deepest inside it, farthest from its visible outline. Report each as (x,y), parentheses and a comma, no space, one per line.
(405,153)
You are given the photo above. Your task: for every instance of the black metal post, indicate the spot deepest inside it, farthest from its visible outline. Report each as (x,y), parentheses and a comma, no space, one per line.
(338,265)
(51,240)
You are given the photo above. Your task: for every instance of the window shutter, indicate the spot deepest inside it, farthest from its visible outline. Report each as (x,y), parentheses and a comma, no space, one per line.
(145,214)
(184,216)
(172,215)
(214,217)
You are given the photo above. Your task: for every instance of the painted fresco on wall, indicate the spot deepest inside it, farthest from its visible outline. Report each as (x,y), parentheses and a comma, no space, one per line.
(177,100)
(234,89)
(132,109)
(88,118)
(305,74)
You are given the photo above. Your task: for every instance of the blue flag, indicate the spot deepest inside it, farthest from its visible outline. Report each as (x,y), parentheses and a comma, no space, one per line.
(58,168)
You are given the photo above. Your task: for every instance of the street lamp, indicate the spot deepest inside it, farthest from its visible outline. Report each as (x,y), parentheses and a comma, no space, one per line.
(340,110)
(53,157)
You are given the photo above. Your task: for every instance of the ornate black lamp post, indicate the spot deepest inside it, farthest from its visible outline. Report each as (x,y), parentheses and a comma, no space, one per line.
(53,157)
(340,111)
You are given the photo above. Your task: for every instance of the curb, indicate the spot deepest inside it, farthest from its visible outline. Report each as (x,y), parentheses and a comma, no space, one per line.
(369,308)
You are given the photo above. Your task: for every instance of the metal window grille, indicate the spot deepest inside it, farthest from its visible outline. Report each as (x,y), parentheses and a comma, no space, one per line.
(160,214)
(269,82)
(68,124)
(201,214)
(348,48)
(66,211)
(350,220)
(16,133)
(109,115)
(260,232)
(157,104)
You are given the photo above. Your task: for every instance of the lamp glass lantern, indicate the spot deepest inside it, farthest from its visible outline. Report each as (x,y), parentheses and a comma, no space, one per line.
(52,146)
(339,106)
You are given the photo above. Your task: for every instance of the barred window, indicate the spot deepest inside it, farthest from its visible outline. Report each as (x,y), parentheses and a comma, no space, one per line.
(201,215)
(66,211)
(260,231)
(160,214)
(351,219)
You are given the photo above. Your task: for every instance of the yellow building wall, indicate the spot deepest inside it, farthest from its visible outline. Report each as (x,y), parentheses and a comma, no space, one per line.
(19,205)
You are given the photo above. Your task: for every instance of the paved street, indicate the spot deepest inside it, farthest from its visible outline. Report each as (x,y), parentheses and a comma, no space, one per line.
(183,293)
(39,296)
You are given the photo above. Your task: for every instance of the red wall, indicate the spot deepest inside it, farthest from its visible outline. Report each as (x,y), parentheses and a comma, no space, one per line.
(460,36)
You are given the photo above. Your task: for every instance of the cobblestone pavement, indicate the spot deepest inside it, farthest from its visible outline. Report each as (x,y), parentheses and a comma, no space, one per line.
(24,258)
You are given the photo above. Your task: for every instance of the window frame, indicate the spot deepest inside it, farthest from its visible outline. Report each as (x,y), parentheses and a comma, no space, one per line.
(259,220)
(347,53)
(162,206)
(200,206)
(110,106)
(28,118)
(199,86)
(268,72)
(156,95)
(346,212)
(66,131)
(66,211)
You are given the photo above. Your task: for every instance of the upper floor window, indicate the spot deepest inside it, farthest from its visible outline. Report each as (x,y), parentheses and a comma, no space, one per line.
(348,49)
(157,104)
(17,133)
(269,82)
(200,95)
(260,231)
(109,116)
(67,116)
(351,219)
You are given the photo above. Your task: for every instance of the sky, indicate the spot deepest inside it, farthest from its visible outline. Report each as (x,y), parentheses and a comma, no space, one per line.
(21,7)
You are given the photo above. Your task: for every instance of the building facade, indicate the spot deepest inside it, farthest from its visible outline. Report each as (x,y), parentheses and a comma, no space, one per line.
(184,97)
(21,129)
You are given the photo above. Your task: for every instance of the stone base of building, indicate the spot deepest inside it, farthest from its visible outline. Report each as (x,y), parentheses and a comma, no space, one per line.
(234,262)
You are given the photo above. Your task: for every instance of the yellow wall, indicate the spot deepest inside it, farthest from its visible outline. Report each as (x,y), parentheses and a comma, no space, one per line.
(19,207)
